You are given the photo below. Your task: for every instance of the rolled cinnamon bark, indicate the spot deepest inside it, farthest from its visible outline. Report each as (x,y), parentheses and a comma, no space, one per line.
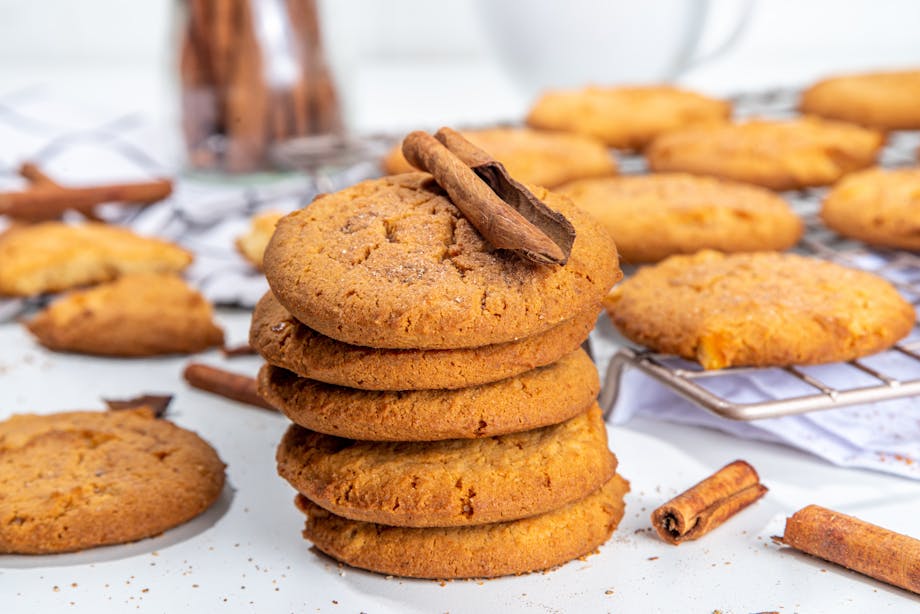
(702,508)
(229,385)
(855,544)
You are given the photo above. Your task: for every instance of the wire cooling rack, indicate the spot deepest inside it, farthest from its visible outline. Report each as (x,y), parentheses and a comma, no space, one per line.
(894,373)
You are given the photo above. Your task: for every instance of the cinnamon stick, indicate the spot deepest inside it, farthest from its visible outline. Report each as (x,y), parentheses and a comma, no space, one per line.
(36,176)
(229,385)
(855,544)
(48,201)
(705,506)
(157,403)
(497,221)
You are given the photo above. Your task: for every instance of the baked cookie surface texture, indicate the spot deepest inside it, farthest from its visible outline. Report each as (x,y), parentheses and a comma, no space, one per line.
(883,100)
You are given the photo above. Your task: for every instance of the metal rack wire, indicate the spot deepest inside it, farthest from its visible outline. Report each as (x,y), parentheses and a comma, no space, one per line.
(901,268)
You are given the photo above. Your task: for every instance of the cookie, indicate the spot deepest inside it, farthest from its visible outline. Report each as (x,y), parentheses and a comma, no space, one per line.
(52,256)
(878,206)
(77,480)
(625,117)
(141,314)
(252,244)
(482,551)
(761,309)
(531,156)
(776,154)
(883,100)
(453,482)
(392,263)
(654,216)
(536,398)
(285,342)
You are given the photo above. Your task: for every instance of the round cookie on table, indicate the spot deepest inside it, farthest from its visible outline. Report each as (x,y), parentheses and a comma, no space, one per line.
(776,154)
(481,551)
(77,480)
(883,100)
(759,309)
(654,216)
(626,117)
(392,263)
(531,156)
(878,206)
(533,399)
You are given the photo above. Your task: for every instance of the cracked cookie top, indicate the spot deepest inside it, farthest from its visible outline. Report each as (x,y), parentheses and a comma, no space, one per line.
(392,263)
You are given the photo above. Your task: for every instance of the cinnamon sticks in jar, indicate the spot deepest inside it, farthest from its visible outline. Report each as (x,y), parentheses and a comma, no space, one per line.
(708,504)
(252,74)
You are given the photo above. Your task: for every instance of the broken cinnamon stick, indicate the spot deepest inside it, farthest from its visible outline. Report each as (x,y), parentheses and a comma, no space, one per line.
(855,544)
(44,201)
(230,351)
(705,506)
(157,403)
(229,385)
(497,221)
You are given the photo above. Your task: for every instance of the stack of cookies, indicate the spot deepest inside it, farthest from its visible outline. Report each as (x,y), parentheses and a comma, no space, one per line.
(445,422)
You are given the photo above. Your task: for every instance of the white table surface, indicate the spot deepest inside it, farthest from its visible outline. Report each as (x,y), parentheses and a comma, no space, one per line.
(246,554)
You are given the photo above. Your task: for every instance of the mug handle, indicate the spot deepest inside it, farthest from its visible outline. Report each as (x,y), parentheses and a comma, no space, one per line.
(696,57)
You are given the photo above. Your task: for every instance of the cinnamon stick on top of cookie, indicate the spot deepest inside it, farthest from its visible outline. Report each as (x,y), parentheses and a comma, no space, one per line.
(503,210)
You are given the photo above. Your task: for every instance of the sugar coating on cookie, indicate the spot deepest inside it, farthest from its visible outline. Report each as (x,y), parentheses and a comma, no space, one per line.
(760,309)
(776,154)
(76,480)
(626,117)
(141,314)
(483,551)
(53,256)
(878,206)
(883,100)
(252,243)
(654,216)
(392,263)
(535,398)
(284,342)
(452,482)
(531,156)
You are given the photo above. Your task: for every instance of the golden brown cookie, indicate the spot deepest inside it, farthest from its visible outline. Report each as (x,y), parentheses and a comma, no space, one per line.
(883,100)
(252,244)
(453,482)
(142,314)
(776,154)
(760,309)
(77,480)
(285,342)
(536,398)
(52,256)
(392,263)
(654,216)
(626,117)
(482,551)
(531,156)
(878,206)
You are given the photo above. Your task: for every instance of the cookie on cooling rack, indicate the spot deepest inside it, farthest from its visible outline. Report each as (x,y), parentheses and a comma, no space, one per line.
(654,216)
(142,314)
(252,243)
(776,154)
(455,482)
(482,551)
(392,263)
(878,206)
(883,100)
(77,480)
(533,399)
(53,256)
(625,117)
(760,309)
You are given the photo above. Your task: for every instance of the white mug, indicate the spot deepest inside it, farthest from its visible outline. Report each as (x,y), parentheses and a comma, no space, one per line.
(573,43)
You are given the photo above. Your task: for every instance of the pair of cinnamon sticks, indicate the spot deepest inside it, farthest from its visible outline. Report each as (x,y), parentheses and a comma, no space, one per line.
(252,74)
(855,544)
